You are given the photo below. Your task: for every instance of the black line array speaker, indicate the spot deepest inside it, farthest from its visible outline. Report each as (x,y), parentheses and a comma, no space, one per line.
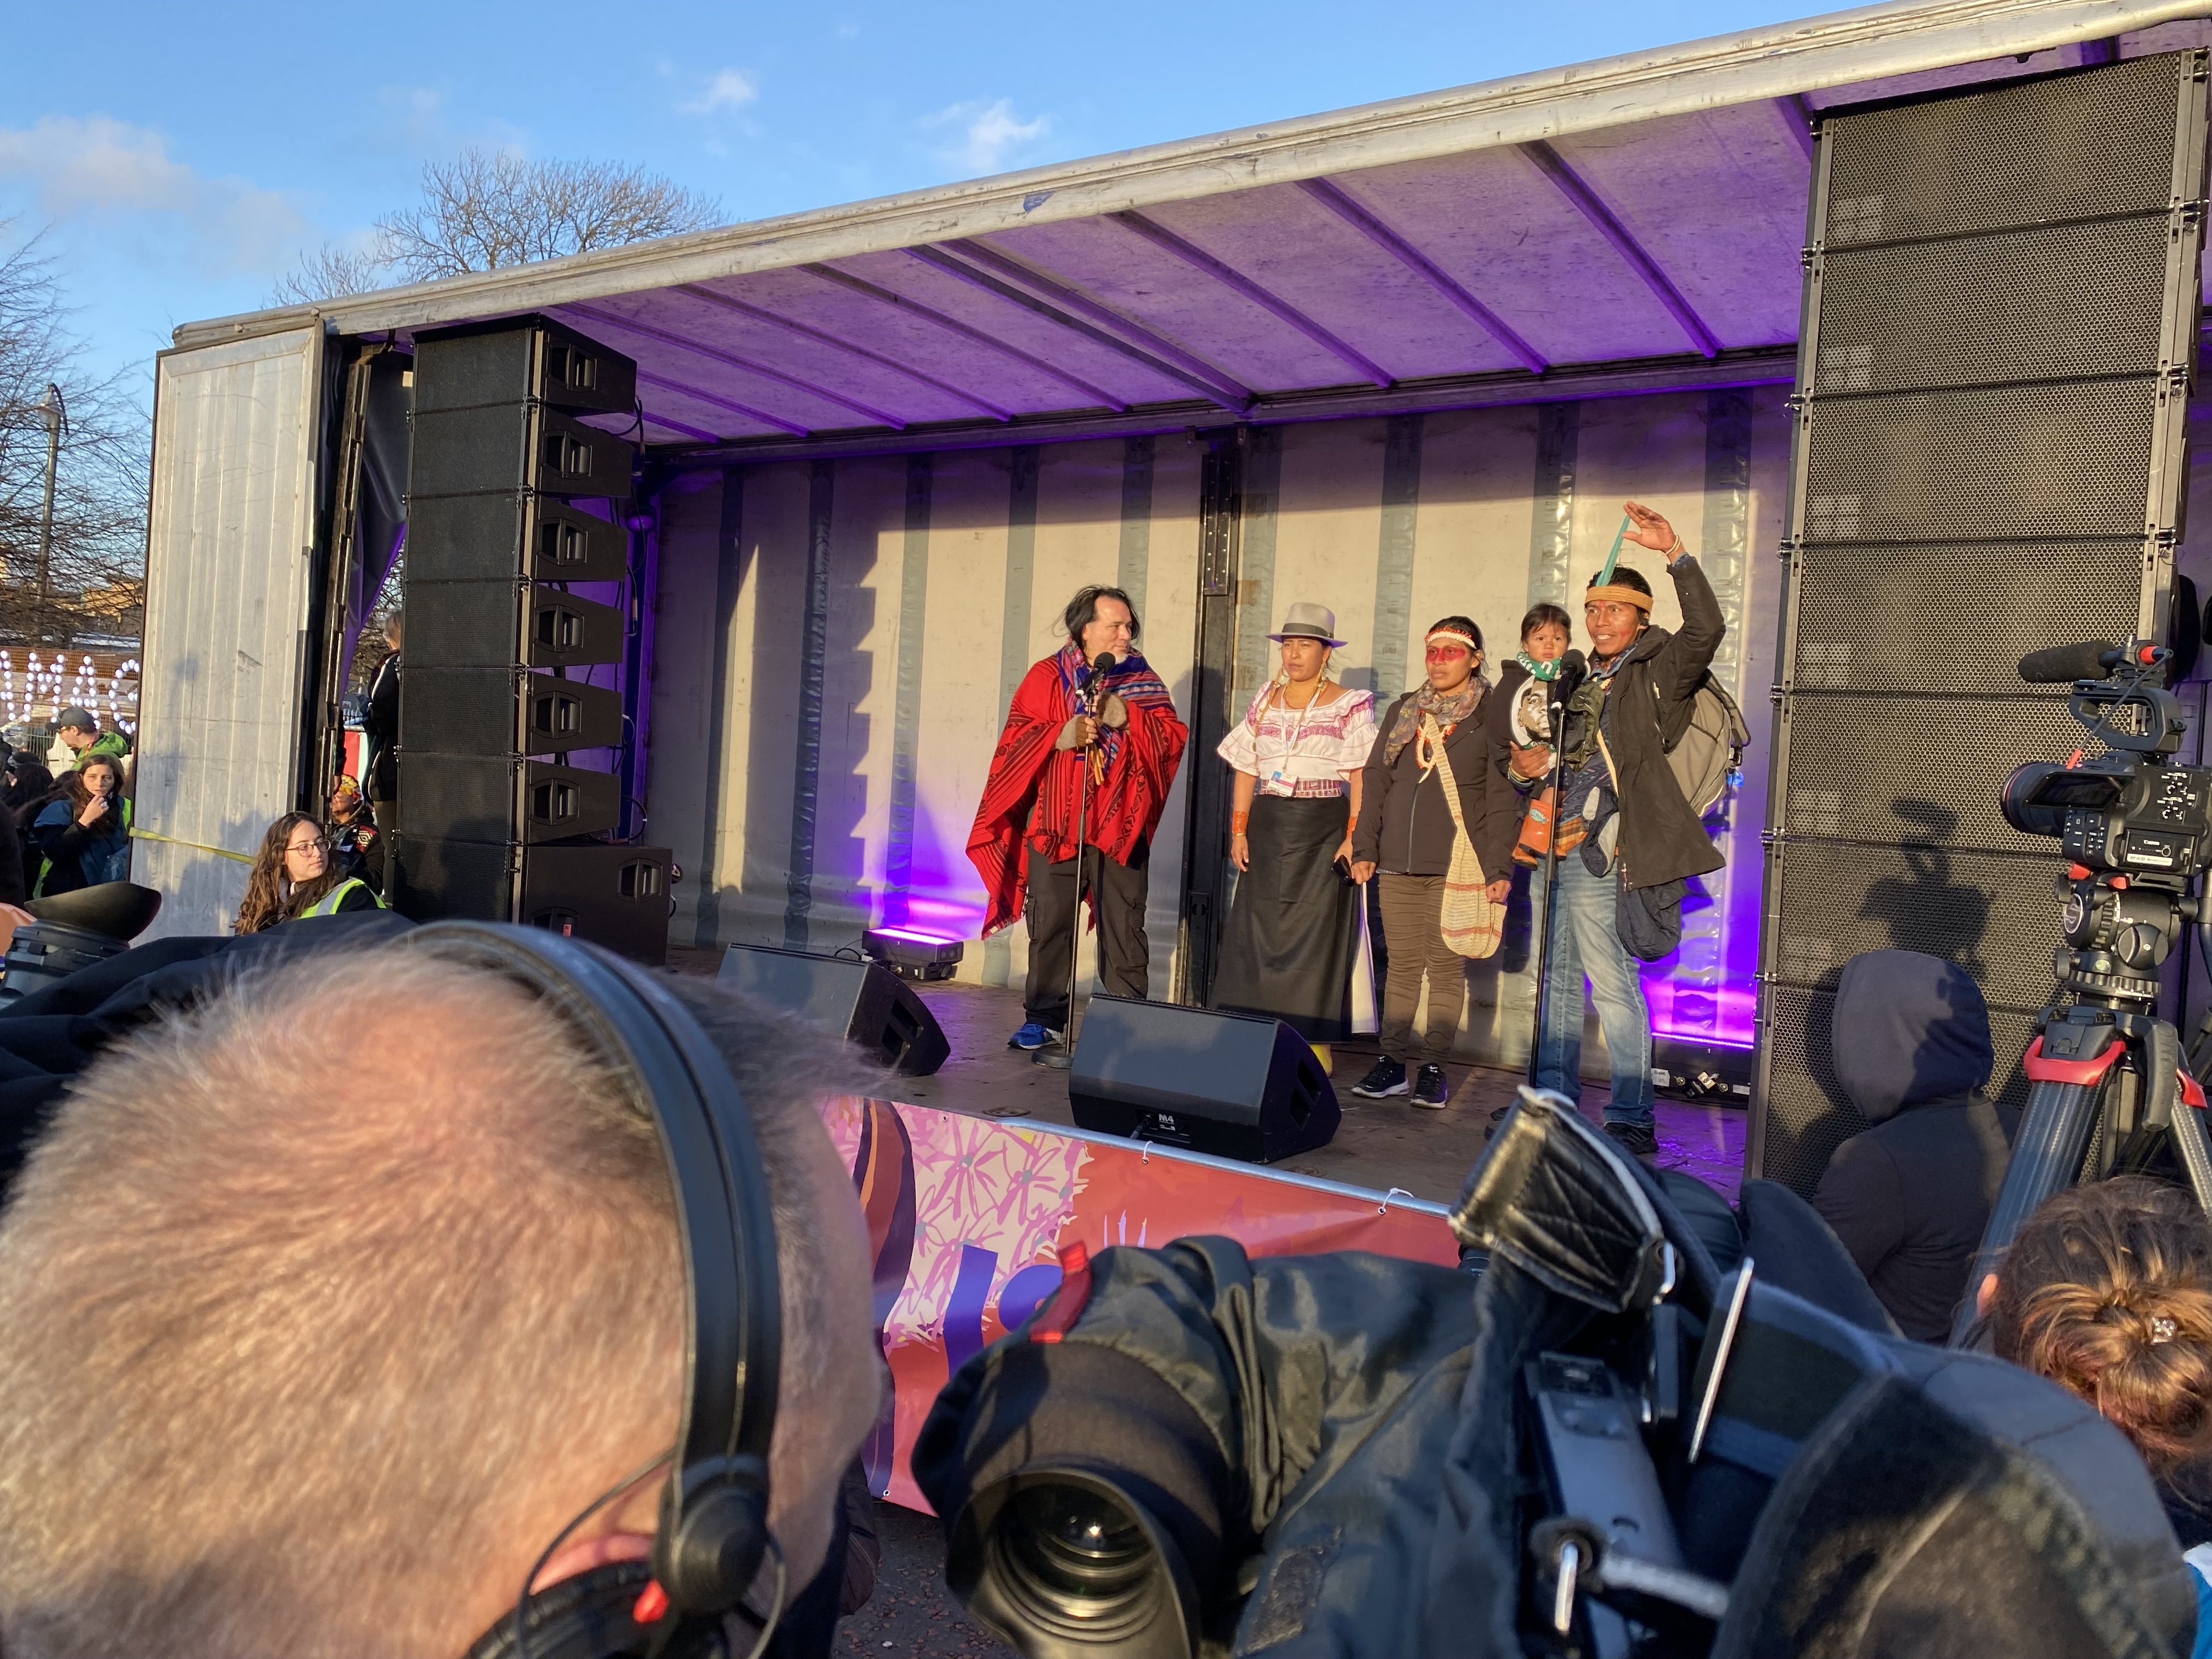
(1236,1086)
(514,503)
(2000,325)
(863,1002)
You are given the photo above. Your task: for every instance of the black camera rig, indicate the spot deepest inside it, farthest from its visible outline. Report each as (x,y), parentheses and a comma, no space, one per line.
(2109,1090)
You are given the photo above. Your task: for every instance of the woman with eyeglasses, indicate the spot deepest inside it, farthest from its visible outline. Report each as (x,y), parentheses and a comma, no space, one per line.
(295,877)
(81,837)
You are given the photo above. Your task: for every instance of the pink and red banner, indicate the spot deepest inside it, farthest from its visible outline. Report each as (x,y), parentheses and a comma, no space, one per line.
(967,1216)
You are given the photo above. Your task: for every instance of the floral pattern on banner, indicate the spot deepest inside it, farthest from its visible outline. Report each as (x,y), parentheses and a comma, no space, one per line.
(977,1182)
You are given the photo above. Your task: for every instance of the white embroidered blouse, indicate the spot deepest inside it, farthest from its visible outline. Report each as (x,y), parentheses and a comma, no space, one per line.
(1308,753)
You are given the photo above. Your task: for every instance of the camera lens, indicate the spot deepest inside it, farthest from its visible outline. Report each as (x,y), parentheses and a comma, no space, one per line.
(1076,1561)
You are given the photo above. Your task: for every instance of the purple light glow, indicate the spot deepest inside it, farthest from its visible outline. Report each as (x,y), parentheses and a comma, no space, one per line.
(914,936)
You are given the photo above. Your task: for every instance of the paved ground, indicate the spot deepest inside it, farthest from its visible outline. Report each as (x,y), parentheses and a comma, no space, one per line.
(911,1612)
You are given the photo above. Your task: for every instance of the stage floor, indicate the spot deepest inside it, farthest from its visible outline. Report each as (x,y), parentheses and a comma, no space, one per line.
(1380,1144)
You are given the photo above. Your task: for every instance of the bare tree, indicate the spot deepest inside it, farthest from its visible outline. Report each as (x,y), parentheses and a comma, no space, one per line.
(488,209)
(331,271)
(94,587)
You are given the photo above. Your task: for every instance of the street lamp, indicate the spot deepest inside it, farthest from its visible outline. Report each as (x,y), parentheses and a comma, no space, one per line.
(56,423)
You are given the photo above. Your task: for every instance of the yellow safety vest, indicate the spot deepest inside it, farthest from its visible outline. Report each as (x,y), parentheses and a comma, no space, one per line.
(328,904)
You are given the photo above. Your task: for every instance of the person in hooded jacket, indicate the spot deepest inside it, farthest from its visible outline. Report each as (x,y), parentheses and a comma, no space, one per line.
(1910,1196)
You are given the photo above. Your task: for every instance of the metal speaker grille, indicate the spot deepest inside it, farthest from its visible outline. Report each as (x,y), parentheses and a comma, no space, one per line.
(2034,305)
(1957,619)
(1806,1112)
(2059,462)
(1997,917)
(1921,770)
(2075,146)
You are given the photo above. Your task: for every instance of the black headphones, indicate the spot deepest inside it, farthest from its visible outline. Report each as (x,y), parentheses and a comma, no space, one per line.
(713,1532)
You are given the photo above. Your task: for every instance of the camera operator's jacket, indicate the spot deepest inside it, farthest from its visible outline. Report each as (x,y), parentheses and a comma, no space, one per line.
(1647,708)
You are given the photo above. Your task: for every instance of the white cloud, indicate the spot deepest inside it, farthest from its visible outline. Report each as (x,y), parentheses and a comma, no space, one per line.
(729,90)
(102,166)
(990,134)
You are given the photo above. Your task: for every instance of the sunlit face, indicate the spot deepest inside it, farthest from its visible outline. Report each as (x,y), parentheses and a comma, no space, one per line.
(1450,665)
(1111,628)
(1303,659)
(1545,642)
(305,854)
(1612,625)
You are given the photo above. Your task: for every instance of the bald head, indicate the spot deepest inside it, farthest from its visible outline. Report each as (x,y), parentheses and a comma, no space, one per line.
(310,1356)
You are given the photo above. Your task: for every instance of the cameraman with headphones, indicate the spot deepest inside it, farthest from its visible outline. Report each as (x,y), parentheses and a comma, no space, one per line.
(302,1362)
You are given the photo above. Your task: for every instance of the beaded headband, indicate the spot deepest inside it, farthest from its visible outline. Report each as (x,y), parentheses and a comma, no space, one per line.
(1633,596)
(1451,634)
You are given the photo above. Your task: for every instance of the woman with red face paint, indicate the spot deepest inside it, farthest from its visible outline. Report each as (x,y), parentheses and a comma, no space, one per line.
(1404,840)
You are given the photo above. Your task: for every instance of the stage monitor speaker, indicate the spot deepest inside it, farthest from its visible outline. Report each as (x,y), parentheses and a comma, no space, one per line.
(863,1002)
(1235,1086)
(2001,326)
(609,894)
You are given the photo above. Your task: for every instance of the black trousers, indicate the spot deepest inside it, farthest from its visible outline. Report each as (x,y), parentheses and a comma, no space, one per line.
(1124,956)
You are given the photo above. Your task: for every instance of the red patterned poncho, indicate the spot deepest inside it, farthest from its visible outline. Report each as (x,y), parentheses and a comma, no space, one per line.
(1032,792)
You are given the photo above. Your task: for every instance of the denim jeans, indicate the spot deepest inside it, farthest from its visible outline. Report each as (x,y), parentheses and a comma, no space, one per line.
(1585,941)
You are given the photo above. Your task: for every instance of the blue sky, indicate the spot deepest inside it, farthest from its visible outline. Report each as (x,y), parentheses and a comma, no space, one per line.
(177,161)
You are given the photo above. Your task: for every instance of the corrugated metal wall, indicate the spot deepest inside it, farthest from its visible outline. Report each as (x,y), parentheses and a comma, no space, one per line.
(227,566)
(839,640)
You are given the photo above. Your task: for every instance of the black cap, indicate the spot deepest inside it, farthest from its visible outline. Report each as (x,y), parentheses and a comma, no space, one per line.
(82,719)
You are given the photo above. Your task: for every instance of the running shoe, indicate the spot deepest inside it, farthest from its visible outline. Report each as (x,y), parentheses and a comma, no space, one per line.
(1386,1077)
(1430,1089)
(1033,1035)
(1634,1137)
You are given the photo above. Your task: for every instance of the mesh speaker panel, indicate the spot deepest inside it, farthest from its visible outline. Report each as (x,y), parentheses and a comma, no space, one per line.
(2074,147)
(1924,771)
(2033,304)
(1807,1112)
(2057,462)
(1955,619)
(1995,917)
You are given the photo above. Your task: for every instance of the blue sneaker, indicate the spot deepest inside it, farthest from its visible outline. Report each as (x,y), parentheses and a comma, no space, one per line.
(1033,1035)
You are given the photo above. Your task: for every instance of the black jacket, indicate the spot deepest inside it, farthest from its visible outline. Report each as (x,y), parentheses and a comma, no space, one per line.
(381,722)
(1910,1196)
(1404,825)
(1647,709)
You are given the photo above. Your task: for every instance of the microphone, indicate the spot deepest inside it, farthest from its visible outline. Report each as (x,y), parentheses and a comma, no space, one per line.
(2059,664)
(1094,678)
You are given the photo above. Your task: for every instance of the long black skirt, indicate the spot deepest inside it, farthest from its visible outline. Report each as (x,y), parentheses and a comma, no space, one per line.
(1293,931)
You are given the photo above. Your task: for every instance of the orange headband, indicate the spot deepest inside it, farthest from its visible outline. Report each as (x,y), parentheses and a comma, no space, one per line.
(1614,591)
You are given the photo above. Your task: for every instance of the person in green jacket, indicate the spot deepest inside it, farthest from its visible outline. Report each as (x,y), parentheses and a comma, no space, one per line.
(295,877)
(79,730)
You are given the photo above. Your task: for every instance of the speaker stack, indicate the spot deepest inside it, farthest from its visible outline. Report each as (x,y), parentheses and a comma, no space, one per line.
(1235,1086)
(2000,321)
(514,504)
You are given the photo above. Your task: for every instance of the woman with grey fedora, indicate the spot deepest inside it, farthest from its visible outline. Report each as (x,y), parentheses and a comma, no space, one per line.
(1293,931)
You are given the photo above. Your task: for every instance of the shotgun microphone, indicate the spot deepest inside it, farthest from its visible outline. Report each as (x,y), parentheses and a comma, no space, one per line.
(2060,664)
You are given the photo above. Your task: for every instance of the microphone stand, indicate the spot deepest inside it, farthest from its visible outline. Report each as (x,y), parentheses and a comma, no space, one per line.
(1064,1057)
(1556,781)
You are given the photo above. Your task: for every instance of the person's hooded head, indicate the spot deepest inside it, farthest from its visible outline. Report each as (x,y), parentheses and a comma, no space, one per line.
(1908,1027)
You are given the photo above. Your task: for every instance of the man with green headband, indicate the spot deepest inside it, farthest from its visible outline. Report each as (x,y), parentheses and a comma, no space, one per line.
(1619,891)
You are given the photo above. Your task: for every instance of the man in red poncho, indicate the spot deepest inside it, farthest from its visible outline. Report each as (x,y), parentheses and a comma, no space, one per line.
(1024,841)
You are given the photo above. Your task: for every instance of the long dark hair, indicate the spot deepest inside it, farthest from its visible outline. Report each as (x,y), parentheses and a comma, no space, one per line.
(71,789)
(269,898)
(1083,610)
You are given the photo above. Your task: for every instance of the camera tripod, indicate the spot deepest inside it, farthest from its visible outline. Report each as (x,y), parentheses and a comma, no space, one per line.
(2108,1087)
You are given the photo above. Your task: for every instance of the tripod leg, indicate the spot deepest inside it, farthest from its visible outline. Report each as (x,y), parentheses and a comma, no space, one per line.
(2195,1145)
(2054,1133)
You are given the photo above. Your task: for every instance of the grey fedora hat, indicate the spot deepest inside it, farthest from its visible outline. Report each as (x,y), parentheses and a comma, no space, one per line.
(1308,622)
